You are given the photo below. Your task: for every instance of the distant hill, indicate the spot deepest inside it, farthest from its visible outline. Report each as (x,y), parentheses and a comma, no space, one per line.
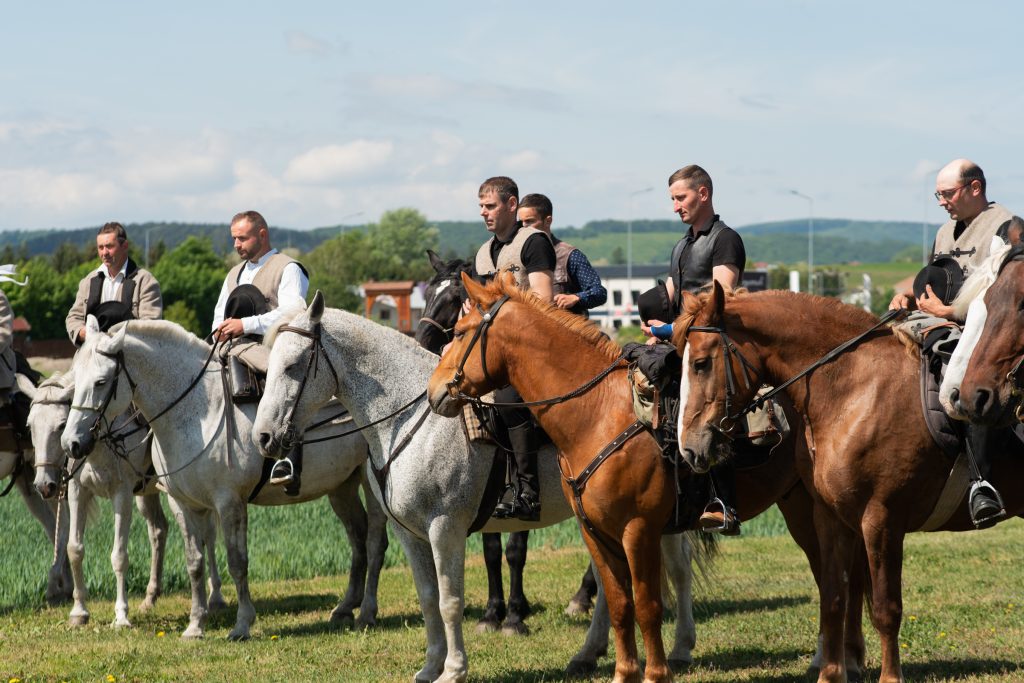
(835,240)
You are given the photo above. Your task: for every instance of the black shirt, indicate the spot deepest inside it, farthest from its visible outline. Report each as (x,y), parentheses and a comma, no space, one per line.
(538,254)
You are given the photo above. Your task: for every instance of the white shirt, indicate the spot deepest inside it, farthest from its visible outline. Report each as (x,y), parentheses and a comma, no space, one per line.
(290,293)
(112,285)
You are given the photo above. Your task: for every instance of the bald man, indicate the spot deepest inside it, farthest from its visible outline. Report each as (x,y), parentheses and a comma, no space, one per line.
(967,236)
(975,224)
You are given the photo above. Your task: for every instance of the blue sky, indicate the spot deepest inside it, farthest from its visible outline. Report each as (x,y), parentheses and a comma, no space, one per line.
(316,113)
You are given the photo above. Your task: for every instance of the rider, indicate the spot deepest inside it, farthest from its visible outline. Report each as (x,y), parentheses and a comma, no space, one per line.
(709,250)
(577,286)
(254,294)
(974,225)
(117,290)
(11,399)
(530,256)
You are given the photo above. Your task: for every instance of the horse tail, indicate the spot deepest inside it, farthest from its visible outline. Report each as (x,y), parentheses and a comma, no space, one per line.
(704,549)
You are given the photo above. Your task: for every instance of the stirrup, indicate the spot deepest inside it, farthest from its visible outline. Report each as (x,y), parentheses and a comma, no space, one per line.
(718,518)
(506,509)
(987,515)
(283,472)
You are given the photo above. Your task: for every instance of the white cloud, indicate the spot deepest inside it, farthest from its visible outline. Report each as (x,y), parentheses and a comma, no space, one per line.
(331,163)
(300,42)
(521,162)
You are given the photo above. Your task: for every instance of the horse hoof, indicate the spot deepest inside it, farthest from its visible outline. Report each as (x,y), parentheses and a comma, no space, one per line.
(78,620)
(679,666)
(147,604)
(517,628)
(487,626)
(238,636)
(192,633)
(580,669)
(577,609)
(216,603)
(344,620)
(363,624)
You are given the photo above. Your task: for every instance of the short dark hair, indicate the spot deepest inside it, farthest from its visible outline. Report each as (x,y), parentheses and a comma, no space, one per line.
(255,220)
(970,173)
(116,228)
(539,202)
(695,177)
(504,186)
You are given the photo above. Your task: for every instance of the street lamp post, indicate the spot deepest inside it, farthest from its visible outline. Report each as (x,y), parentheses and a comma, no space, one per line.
(810,239)
(629,245)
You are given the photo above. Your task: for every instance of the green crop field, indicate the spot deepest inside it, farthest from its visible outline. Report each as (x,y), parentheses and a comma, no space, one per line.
(756,610)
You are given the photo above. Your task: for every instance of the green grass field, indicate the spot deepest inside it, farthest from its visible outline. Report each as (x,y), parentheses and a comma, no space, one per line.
(756,611)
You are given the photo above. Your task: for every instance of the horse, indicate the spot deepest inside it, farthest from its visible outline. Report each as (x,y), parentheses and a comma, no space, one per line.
(990,392)
(105,475)
(428,476)
(207,462)
(49,513)
(530,329)
(443,301)
(871,464)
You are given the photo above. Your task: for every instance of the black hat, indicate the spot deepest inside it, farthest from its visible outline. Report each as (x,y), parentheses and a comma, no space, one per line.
(944,275)
(110,313)
(654,305)
(245,301)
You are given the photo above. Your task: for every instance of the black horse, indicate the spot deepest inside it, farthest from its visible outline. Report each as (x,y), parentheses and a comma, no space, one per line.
(444,296)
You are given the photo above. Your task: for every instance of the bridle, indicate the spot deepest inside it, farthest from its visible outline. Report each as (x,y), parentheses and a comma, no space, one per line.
(1013,377)
(291,436)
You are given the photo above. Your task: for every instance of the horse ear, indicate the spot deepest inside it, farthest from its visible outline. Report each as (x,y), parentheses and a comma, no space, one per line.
(718,301)
(92,325)
(1015,231)
(316,308)
(508,280)
(476,292)
(119,337)
(435,261)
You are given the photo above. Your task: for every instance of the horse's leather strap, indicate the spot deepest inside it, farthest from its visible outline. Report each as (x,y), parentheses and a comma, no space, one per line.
(579,484)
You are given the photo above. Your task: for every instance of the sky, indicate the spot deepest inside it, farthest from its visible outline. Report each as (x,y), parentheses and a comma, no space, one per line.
(320,113)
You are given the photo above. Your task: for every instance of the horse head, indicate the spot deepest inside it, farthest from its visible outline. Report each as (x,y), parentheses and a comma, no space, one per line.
(300,380)
(992,389)
(717,380)
(46,420)
(443,296)
(472,366)
(98,394)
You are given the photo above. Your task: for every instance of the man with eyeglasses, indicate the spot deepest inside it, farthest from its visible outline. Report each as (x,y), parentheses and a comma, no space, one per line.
(974,228)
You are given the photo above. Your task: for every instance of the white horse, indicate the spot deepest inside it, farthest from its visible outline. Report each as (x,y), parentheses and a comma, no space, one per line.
(50,514)
(207,461)
(970,304)
(106,475)
(434,479)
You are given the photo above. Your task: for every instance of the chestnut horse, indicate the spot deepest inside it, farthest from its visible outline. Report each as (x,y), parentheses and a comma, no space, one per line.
(992,389)
(873,468)
(628,499)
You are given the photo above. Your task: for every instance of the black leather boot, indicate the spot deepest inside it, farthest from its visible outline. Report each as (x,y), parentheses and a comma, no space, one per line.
(984,502)
(525,443)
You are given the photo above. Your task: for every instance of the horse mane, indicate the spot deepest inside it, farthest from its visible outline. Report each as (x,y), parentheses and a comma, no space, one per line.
(980,279)
(287,316)
(163,329)
(587,330)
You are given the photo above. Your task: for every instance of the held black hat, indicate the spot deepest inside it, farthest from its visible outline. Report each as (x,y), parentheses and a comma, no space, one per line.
(110,313)
(654,305)
(245,301)
(944,275)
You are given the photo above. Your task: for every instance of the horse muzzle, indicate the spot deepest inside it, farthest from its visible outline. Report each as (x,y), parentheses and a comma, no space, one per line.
(443,403)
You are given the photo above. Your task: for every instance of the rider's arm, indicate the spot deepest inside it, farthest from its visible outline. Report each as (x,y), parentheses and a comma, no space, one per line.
(592,293)
(538,258)
(291,293)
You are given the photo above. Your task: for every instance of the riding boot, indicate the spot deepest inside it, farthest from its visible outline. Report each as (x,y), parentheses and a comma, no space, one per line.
(720,514)
(985,504)
(288,471)
(525,443)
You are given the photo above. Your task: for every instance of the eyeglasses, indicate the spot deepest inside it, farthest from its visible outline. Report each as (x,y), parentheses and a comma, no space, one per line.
(949,194)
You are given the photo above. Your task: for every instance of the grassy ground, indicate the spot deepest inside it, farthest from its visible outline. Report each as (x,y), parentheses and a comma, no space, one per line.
(756,613)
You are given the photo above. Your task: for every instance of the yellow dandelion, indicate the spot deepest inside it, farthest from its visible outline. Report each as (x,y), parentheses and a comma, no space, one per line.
(275,637)
(912,618)
(942,634)
(14,680)
(1011,605)
(159,634)
(904,645)
(111,679)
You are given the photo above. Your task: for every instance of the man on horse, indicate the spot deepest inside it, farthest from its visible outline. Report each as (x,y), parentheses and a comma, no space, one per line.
(117,290)
(254,294)
(577,287)
(709,250)
(527,253)
(961,244)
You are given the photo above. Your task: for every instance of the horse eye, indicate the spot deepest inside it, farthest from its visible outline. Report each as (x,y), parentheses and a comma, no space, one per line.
(701,364)
(101,382)
(61,426)
(458,335)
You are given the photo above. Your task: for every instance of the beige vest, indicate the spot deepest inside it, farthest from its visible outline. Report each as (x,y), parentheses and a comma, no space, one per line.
(562,283)
(972,247)
(510,258)
(268,277)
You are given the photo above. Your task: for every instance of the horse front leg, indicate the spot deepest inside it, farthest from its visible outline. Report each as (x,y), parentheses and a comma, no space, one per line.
(78,501)
(156,524)
(582,602)
(53,516)
(421,562)
(615,579)
(194,526)
(349,509)
(595,645)
(448,545)
(234,521)
(376,549)
(495,611)
(518,605)
(883,541)
(208,547)
(837,543)
(641,543)
(122,504)
(677,554)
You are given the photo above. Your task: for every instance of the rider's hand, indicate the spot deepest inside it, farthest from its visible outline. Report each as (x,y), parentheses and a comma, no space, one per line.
(229,329)
(646,327)
(566,300)
(902,301)
(932,305)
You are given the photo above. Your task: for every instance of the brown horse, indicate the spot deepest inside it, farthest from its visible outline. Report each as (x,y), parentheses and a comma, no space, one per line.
(991,390)
(873,468)
(628,500)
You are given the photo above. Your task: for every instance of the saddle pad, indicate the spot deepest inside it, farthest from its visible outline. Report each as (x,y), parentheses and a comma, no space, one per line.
(946,433)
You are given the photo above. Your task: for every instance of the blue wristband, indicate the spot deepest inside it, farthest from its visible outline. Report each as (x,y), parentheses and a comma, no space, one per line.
(662,331)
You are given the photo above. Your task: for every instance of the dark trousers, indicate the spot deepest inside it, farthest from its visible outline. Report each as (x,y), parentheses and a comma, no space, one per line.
(522,438)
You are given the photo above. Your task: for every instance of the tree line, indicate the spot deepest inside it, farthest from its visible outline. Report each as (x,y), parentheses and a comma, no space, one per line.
(192,272)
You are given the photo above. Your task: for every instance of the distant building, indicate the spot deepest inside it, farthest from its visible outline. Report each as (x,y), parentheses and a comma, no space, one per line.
(395,304)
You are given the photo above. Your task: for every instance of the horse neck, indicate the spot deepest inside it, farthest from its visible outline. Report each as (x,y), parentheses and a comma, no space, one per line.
(544,359)
(164,370)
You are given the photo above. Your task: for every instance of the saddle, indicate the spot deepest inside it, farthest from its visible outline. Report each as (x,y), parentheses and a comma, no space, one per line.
(246,383)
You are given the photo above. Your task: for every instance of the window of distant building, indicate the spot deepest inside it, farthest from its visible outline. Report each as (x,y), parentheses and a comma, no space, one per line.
(617,297)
